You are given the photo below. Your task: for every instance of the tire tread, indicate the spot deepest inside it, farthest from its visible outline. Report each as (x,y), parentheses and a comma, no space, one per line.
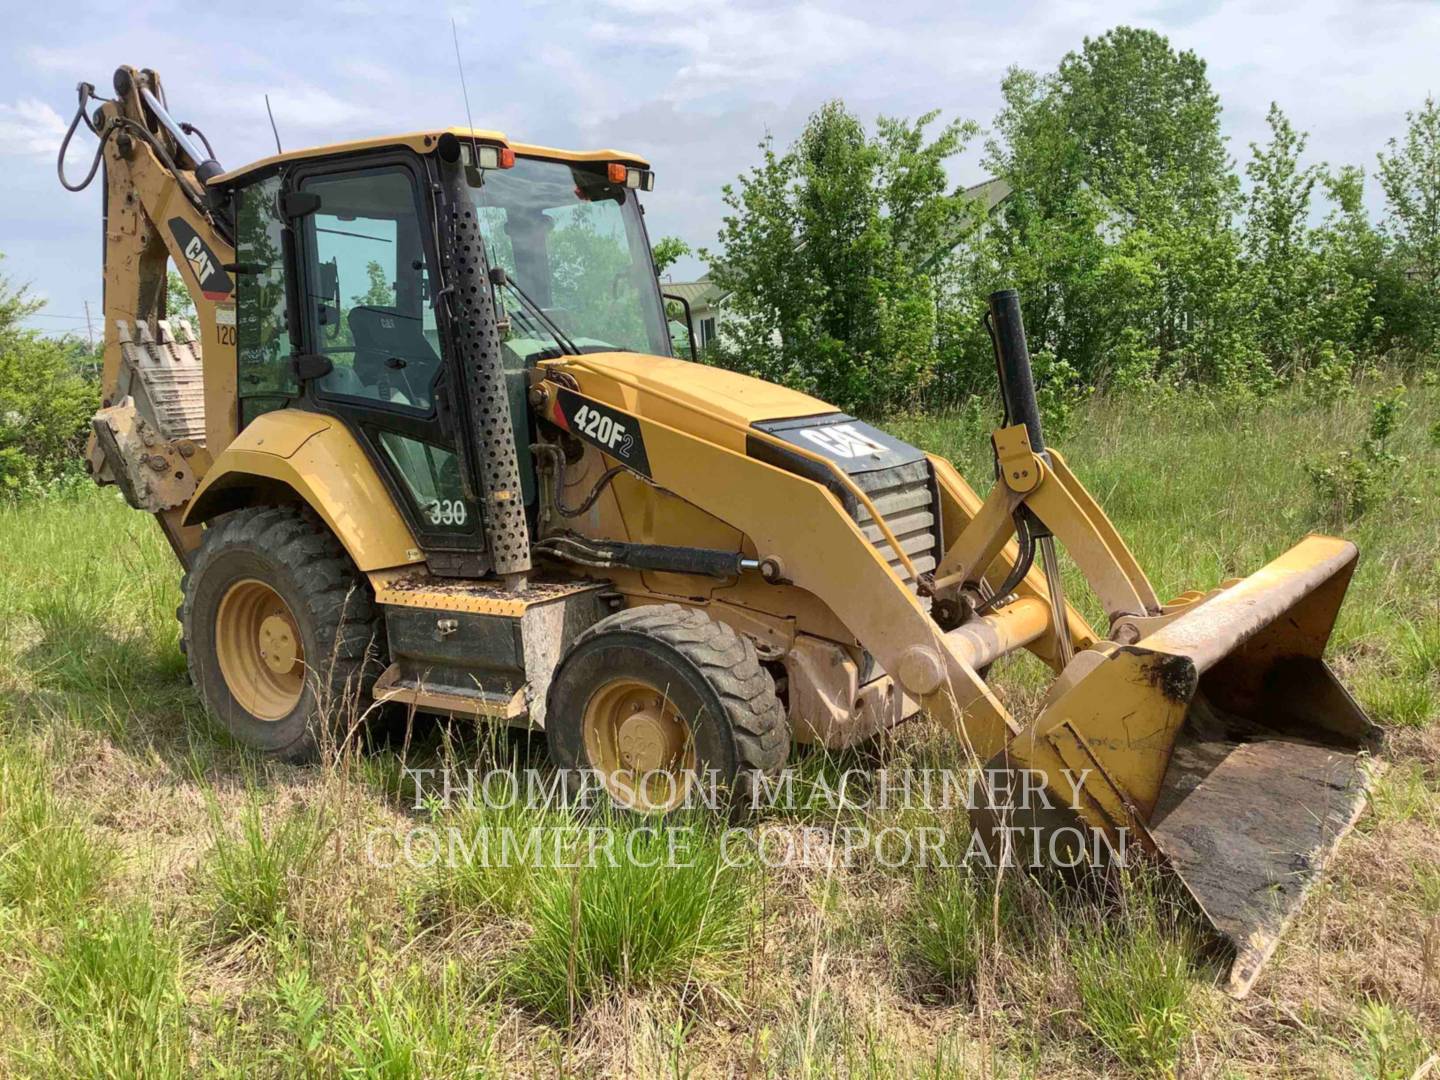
(727,660)
(334,594)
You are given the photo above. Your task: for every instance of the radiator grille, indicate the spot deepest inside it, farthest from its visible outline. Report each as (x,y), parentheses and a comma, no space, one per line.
(904,497)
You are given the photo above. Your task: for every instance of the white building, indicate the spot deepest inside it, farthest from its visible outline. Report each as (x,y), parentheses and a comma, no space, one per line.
(707,302)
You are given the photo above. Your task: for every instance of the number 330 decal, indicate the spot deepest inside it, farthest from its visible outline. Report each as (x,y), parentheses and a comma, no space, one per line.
(448,512)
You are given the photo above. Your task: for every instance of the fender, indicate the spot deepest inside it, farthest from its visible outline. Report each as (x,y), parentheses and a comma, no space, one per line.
(292,454)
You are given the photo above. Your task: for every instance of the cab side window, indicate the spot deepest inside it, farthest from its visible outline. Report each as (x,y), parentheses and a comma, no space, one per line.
(265,378)
(368,290)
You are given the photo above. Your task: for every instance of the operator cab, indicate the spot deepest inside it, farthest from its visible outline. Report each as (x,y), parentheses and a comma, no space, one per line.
(340,308)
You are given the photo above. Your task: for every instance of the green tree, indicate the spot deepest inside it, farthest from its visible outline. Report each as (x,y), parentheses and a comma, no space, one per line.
(667,251)
(378,291)
(1277,224)
(45,403)
(178,304)
(829,254)
(1410,178)
(1118,233)
(594,286)
(1311,286)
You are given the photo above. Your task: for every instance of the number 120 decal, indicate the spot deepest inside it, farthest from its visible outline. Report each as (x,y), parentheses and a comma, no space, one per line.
(607,429)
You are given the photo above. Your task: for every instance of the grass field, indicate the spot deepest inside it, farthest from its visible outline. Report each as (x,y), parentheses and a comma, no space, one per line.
(171,905)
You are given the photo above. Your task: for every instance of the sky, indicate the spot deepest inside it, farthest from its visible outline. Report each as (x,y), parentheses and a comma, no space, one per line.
(692,85)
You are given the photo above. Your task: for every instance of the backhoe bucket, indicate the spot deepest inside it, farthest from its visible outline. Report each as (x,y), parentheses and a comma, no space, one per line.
(1221,742)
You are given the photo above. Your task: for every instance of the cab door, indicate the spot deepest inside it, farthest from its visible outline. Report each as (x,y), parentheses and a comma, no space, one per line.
(365,254)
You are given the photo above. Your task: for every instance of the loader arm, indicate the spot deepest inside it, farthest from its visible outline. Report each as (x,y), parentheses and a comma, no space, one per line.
(1208,731)
(789,517)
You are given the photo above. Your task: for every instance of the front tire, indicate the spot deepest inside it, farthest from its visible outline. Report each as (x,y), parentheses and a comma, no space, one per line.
(653,697)
(279,626)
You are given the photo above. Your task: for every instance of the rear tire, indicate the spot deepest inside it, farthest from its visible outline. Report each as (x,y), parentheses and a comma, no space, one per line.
(279,629)
(663,689)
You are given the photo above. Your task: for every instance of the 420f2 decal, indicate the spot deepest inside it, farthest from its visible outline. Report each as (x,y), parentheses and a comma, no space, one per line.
(607,429)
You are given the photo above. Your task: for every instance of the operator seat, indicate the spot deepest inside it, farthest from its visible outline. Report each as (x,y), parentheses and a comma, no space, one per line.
(392,354)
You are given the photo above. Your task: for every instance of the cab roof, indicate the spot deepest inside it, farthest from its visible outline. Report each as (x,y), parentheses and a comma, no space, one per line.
(425,142)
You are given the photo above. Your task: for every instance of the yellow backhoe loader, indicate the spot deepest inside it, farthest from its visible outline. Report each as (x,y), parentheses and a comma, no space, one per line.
(427,443)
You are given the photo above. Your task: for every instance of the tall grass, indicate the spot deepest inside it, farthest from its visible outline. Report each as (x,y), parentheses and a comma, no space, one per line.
(485,865)
(395,1020)
(51,866)
(944,930)
(110,999)
(670,907)
(88,591)
(1135,971)
(425,980)
(253,873)
(488,860)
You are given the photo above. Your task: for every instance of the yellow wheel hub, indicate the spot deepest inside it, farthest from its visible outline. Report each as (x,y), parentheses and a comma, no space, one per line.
(640,744)
(257,643)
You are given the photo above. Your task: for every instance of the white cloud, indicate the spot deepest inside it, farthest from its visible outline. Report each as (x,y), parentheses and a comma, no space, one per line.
(300,107)
(732,49)
(30,127)
(693,84)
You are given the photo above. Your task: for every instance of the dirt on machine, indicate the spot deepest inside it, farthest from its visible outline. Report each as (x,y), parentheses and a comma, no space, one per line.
(427,442)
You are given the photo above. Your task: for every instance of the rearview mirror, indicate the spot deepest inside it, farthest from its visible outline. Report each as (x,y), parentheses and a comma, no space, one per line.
(296,204)
(689,322)
(329,283)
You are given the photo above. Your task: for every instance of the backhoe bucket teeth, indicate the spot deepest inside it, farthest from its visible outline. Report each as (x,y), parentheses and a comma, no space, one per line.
(1222,743)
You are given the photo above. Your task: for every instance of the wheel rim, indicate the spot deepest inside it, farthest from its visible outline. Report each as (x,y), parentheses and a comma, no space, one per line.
(261,654)
(640,743)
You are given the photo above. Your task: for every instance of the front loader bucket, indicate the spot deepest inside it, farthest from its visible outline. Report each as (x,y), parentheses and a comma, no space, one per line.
(1223,743)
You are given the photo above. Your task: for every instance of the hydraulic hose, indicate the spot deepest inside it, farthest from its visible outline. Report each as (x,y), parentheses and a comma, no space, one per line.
(1022,564)
(85,92)
(191,129)
(557,457)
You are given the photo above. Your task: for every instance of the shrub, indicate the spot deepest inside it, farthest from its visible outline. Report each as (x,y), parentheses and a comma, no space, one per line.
(1351,482)
(1059,391)
(45,409)
(1388,1044)
(1332,379)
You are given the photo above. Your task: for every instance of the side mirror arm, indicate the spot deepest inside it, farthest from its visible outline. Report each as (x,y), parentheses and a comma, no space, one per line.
(689,322)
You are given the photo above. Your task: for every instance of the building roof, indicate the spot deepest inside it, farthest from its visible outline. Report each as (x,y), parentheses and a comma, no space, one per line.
(991,193)
(702,293)
(425,142)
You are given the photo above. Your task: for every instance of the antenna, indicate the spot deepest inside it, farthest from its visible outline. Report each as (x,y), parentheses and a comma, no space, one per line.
(273,128)
(474,146)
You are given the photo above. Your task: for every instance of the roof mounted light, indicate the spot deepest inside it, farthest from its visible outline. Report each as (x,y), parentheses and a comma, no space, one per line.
(631,176)
(489,156)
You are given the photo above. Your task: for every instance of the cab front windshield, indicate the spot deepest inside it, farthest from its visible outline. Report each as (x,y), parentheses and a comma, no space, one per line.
(573,242)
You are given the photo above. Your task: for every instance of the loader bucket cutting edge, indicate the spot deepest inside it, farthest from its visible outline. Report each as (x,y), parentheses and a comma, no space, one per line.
(1226,745)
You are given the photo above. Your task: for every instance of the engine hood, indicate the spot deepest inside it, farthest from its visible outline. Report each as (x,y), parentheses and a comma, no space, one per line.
(658,387)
